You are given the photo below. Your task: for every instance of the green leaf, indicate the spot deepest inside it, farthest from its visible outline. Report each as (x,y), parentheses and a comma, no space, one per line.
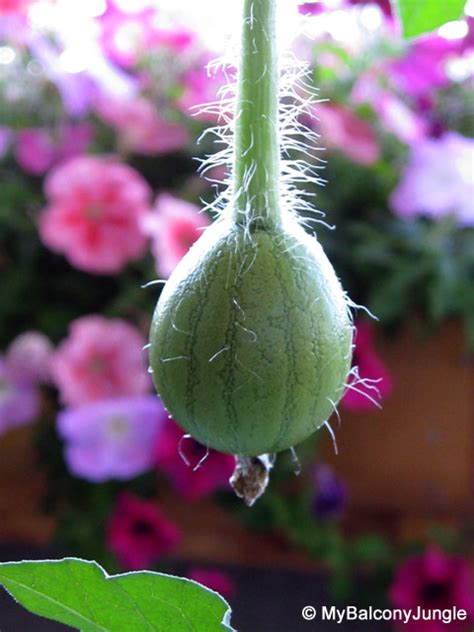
(81,594)
(422,16)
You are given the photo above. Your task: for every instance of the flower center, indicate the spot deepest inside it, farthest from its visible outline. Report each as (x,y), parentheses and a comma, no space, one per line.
(4,388)
(117,426)
(141,528)
(434,591)
(94,212)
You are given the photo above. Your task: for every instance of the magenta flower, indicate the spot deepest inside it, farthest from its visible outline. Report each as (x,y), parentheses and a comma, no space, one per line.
(100,359)
(422,69)
(111,439)
(342,129)
(141,129)
(174,225)
(94,213)
(138,533)
(433,580)
(127,36)
(438,180)
(35,151)
(14,6)
(190,481)
(200,87)
(29,357)
(331,494)
(19,401)
(372,378)
(215,579)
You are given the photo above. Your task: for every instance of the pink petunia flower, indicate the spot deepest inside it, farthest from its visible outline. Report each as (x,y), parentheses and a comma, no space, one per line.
(342,129)
(100,359)
(174,225)
(128,35)
(138,533)
(370,368)
(38,149)
(215,579)
(206,472)
(200,87)
(434,580)
(438,180)
(14,6)
(111,439)
(29,357)
(94,213)
(35,151)
(141,129)
(19,401)
(422,68)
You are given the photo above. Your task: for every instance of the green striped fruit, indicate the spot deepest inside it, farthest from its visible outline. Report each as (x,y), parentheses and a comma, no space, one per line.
(251,338)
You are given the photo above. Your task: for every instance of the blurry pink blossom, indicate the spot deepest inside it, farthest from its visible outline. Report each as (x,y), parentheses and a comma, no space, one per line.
(100,359)
(434,580)
(370,368)
(35,151)
(128,35)
(94,213)
(342,129)
(174,225)
(215,579)
(29,357)
(38,149)
(141,129)
(422,68)
(138,533)
(201,87)
(212,474)
(14,6)
(111,439)
(438,180)
(19,401)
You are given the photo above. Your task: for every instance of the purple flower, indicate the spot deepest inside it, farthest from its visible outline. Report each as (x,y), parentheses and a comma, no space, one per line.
(331,494)
(35,151)
(29,357)
(422,69)
(438,179)
(111,439)
(19,402)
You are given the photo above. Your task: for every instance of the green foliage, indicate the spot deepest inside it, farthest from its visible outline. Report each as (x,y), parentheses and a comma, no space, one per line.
(422,16)
(81,594)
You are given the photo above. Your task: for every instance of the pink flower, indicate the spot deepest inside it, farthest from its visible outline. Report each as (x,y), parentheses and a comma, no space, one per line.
(214,579)
(29,357)
(19,401)
(422,69)
(342,129)
(100,359)
(126,36)
(174,225)
(138,533)
(438,179)
(14,6)
(200,87)
(432,580)
(140,127)
(94,213)
(212,474)
(35,151)
(111,439)
(370,368)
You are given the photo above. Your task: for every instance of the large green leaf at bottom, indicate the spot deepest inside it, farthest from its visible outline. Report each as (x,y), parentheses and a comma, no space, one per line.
(81,594)
(422,16)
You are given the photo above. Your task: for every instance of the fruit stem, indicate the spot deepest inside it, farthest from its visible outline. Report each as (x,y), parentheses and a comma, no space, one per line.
(257,134)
